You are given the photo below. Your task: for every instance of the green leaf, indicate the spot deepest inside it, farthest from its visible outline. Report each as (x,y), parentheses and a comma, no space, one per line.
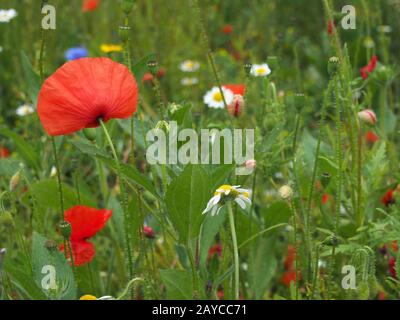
(140,68)
(178,284)
(24,148)
(48,263)
(278,212)
(186,199)
(32,79)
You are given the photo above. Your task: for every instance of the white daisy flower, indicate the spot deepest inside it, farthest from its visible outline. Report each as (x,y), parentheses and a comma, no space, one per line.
(260,70)
(214,99)
(25,110)
(225,193)
(7,15)
(189,66)
(189,81)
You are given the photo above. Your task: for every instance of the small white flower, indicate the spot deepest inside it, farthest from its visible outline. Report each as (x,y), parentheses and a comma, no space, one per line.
(214,98)
(189,81)
(225,193)
(189,66)
(7,15)
(25,110)
(53,172)
(260,70)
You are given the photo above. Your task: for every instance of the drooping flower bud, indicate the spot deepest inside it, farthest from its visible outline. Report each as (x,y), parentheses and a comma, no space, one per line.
(367,116)
(235,108)
(285,192)
(65,229)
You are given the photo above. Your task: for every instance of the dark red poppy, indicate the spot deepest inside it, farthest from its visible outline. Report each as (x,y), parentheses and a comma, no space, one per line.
(83,91)
(388,198)
(290,257)
(90,5)
(331,27)
(371,137)
(325,198)
(85,223)
(392,267)
(148,232)
(216,249)
(236,88)
(369,68)
(4,153)
(227,29)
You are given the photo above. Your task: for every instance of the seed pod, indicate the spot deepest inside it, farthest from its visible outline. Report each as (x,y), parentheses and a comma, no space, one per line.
(65,229)
(123,32)
(333,66)
(247,68)
(325,179)
(152,65)
(299,101)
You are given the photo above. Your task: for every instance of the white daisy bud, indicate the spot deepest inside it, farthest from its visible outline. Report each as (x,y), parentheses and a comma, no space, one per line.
(285,192)
(367,116)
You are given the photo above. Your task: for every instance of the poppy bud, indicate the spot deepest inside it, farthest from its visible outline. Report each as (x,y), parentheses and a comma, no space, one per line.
(123,32)
(333,66)
(148,232)
(127,6)
(251,164)
(90,133)
(325,179)
(65,229)
(153,67)
(272,62)
(285,192)
(247,68)
(299,101)
(15,180)
(367,116)
(235,108)
(51,245)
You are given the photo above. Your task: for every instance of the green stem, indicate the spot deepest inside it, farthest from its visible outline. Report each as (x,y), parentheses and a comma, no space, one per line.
(123,201)
(235,251)
(60,188)
(296,264)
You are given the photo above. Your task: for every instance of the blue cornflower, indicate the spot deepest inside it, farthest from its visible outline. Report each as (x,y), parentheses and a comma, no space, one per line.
(76,53)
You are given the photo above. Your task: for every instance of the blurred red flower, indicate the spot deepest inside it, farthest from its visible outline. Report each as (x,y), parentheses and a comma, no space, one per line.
(216,249)
(325,198)
(371,137)
(83,91)
(148,232)
(148,77)
(227,29)
(290,276)
(331,27)
(388,198)
(369,68)
(90,5)
(85,223)
(4,153)
(392,267)
(290,257)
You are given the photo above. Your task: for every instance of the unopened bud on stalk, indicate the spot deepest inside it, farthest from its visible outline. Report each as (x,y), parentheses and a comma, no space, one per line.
(123,32)
(90,133)
(153,67)
(247,68)
(15,180)
(65,229)
(285,192)
(325,179)
(367,116)
(299,101)
(333,65)
(127,6)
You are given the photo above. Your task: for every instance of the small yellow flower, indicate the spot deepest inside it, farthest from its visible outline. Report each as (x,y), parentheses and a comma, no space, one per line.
(109,48)
(88,297)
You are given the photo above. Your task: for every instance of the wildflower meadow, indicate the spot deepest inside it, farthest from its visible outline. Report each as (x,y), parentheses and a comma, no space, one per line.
(199,150)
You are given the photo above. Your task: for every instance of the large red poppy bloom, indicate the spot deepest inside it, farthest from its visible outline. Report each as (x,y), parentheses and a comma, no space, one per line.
(236,88)
(369,68)
(83,91)
(85,223)
(90,5)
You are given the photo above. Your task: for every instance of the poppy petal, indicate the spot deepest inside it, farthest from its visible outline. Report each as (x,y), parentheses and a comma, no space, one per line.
(82,251)
(236,88)
(82,91)
(86,221)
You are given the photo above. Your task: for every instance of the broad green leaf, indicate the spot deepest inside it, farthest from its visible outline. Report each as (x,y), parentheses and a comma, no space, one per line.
(186,199)
(24,148)
(178,284)
(48,263)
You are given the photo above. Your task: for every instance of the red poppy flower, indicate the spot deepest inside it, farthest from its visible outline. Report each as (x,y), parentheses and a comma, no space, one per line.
(290,257)
(369,68)
(331,27)
(392,267)
(90,5)
(216,249)
(236,88)
(325,198)
(148,77)
(148,232)
(83,91)
(4,153)
(371,137)
(388,198)
(290,276)
(227,29)
(85,223)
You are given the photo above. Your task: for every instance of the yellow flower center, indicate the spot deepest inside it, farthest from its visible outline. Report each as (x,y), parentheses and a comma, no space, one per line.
(88,297)
(222,189)
(217,96)
(261,71)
